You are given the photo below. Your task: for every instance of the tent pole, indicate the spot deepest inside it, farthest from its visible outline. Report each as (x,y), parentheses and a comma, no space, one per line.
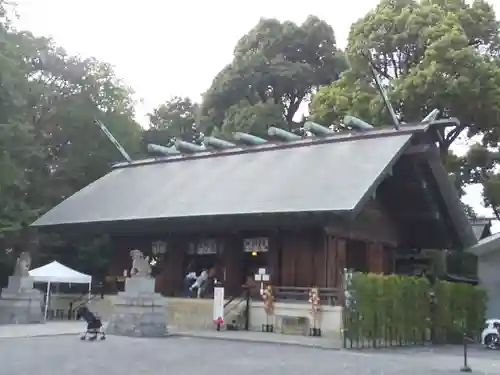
(46,302)
(90,292)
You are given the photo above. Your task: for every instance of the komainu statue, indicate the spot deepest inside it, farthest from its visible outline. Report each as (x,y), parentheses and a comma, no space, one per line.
(140,264)
(23,265)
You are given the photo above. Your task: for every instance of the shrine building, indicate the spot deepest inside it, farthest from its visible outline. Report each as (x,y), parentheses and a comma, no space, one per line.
(303,208)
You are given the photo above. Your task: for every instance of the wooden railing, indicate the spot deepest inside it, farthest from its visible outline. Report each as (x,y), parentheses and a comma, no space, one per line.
(327,296)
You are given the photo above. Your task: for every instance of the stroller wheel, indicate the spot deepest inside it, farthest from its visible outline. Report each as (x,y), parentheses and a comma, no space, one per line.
(103,338)
(82,338)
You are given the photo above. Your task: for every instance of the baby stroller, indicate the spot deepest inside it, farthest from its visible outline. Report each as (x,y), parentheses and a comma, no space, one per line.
(94,324)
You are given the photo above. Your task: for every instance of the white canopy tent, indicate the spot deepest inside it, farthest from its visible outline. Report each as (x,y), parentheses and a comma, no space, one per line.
(57,273)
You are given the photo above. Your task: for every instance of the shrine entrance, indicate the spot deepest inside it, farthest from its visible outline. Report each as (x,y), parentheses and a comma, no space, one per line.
(202,255)
(255,256)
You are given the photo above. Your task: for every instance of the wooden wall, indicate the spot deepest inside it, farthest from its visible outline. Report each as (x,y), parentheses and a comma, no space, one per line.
(303,257)
(372,224)
(311,258)
(318,257)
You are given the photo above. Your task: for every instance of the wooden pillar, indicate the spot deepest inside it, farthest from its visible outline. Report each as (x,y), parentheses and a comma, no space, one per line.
(178,266)
(341,261)
(119,261)
(274,259)
(389,255)
(232,263)
(173,273)
(288,259)
(304,264)
(318,254)
(330,255)
(376,258)
(119,258)
(335,261)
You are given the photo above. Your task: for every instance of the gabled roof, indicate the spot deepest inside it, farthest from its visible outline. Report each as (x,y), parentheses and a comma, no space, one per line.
(332,174)
(308,177)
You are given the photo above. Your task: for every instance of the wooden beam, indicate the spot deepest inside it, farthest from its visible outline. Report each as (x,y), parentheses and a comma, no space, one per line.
(420,216)
(360,235)
(417,149)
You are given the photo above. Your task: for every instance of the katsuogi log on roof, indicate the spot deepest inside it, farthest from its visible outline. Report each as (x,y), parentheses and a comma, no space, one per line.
(334,174)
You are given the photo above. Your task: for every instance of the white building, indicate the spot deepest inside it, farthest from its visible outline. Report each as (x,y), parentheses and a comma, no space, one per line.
(487,251)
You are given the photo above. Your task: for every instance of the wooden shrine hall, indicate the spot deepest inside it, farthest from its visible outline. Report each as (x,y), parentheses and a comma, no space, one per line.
(303,207)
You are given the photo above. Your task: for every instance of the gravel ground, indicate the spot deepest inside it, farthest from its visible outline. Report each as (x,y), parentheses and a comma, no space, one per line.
(67,355)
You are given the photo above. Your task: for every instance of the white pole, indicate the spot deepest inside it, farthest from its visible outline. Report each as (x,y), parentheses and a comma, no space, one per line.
(90,292)
(46,302)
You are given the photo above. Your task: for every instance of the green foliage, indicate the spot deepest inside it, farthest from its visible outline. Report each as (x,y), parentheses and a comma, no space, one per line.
(429,54)
(274,63)
(89,255)
(49,145)
(399,310)
(178,115)
(253,119)
(176,118)
(480,165)
(461,308)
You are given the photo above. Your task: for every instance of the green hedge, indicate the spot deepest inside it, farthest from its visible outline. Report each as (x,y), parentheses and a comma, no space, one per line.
(401,309)
(460,308)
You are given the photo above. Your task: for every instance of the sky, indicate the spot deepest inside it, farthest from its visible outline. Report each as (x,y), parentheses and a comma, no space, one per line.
(167,48)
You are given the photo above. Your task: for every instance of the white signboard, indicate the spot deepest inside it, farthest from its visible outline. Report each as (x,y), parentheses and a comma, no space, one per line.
(262,276)
(159,247)
(207,247)
(218,304)
(258,245)
(204,247)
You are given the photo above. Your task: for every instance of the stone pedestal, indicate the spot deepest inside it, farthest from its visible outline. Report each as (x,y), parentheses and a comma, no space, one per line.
(139,311)
(20,303)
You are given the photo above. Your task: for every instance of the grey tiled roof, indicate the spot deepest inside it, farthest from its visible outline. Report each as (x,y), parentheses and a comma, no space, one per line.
(318,177)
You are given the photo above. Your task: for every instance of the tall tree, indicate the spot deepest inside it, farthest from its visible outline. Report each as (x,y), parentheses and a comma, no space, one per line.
(176,118)
(278,63)
(177,115)
(49,145)
(254,119)
(429,54)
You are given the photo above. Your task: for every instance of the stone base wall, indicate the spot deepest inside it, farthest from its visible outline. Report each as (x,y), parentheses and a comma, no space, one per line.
(296,318)
(136,323)
(197,314)
(21,309)
(190,313)
(139,314)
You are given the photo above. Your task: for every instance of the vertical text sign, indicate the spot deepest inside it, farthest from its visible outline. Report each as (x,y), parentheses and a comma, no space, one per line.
(218,304)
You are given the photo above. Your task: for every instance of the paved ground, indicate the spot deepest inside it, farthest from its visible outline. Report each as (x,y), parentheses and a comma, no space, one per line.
(194,356)
(72,328)
(33,330)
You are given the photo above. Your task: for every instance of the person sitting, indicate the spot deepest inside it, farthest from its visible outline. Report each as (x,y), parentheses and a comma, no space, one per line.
(189,280)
